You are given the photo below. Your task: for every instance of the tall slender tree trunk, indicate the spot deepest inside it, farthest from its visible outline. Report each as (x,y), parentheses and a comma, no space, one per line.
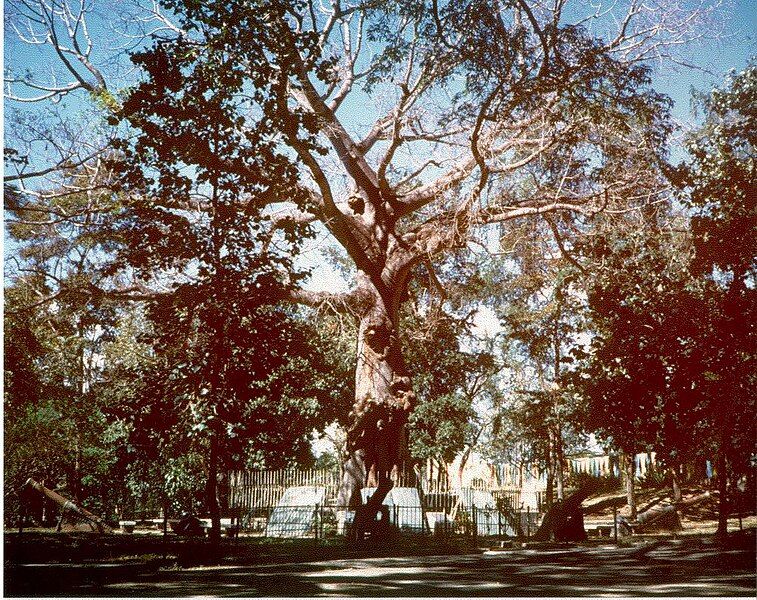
(723,503)
(550,471)
(557,446)
(676,485)
(559,461)
(77,478)
(211,491)
(79,419)
(630,476)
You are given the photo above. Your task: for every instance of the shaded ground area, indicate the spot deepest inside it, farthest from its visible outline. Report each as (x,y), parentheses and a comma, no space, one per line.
(676,567)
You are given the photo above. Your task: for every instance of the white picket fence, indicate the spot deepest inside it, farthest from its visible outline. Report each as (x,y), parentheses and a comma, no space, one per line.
(261,490)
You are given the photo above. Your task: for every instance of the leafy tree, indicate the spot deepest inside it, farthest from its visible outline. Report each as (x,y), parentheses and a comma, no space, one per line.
(638,301)
(58,311)
(240,264)
(542,310)
(449,382)
(542,81)
(247,396)
(673,312)
(720,181)
(497,111)
(55,426)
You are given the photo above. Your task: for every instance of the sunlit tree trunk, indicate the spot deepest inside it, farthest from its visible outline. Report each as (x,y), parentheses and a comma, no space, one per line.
(676,485)
(559,461)
(461,467)
(630,475)
(550,472)
(383,399)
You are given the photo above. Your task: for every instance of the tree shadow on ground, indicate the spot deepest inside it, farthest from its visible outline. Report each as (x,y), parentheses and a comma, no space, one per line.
(668,568)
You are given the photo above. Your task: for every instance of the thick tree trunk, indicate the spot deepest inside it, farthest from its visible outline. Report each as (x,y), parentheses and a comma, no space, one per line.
(383,399)
(564,521)
(353,480)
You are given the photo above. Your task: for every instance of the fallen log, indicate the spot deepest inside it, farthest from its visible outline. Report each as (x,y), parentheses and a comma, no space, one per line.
(658,518)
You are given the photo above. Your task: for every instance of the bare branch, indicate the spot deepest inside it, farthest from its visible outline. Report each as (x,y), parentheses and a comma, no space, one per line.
(43,19)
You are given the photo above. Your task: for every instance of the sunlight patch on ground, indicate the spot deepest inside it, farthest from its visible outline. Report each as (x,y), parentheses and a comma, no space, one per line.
(467,585)
(376,588)
(367,571)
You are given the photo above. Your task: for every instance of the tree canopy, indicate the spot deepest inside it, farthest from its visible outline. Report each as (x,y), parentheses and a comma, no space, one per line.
(407,133)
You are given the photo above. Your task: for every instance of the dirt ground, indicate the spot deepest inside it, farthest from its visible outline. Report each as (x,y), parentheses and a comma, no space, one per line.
(685,562)
(687,565)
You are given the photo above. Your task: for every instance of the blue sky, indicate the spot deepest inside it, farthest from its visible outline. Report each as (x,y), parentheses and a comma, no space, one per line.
(715,58)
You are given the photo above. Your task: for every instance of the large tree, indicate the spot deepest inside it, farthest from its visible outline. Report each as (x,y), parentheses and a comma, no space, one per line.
(401,128)
(641,304)
(249,395)
(672,308)
(721,189)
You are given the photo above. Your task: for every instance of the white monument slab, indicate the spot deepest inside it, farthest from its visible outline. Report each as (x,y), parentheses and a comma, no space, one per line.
(294,515)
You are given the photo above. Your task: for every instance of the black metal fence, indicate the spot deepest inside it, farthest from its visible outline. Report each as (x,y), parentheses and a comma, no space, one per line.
(324,521)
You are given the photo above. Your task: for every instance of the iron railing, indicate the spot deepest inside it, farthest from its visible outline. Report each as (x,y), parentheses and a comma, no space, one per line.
(328,521)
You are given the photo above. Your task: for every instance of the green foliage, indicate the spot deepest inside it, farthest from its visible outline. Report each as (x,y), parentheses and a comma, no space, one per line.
(55,328)
(219,115)
(720,180)
(673,314)
(448,380)
(261,386)
(541,308)
(218,138)
(637,299)
(55,427)
(328,461)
